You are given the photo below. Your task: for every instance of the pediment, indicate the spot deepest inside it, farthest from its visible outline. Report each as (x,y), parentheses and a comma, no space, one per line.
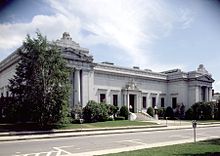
(76,55)
(205,78)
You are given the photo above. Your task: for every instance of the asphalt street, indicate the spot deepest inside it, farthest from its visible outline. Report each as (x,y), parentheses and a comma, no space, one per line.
(89,144)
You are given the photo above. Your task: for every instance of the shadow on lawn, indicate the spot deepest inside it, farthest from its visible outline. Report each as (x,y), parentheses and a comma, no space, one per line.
(19,127)
(204,154)
(210,142)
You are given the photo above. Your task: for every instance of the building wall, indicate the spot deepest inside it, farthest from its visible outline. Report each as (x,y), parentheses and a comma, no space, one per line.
(110,84)
(93,79)
(5,75)
(178,89)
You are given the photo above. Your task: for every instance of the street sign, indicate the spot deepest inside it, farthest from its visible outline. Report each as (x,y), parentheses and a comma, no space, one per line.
(194,123)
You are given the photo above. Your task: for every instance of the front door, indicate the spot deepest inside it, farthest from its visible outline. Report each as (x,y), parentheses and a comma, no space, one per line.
(131,102)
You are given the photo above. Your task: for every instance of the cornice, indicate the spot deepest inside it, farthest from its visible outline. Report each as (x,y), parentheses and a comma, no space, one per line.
(128,71)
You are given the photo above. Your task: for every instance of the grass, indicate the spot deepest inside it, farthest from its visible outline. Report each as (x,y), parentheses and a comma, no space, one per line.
(205,148)
(208,121)
(119,123)
(31,126)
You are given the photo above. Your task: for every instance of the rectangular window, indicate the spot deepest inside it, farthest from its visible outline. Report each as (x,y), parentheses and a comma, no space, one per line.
(102,98)
(115,100)
(174,102)
(153,102)
(162,102)
(144,102)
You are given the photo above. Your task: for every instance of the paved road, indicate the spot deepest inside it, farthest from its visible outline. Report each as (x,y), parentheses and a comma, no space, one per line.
(87,144)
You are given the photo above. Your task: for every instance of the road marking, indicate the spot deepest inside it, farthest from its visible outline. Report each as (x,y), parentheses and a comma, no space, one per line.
(137,141)
(57,150)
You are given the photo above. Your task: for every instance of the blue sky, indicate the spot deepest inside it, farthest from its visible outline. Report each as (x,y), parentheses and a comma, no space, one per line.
(154,34)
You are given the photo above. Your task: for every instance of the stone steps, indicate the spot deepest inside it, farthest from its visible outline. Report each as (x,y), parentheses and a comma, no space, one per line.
(142,116)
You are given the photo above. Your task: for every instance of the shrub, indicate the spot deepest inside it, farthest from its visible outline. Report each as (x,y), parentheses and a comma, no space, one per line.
(120,118)
(150,111)
(94,112)
(202,110)
(161,112)
(124,112)
(217,111)
(196,111)
(189,114)
(112,110)
(169,112)
(206,109)
(182,111)
(76,112)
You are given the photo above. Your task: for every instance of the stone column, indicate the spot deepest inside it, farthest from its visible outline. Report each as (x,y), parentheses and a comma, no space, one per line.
(71,89)
(77,87)
(206,94)
(128,103)
(197,88)
(210,93)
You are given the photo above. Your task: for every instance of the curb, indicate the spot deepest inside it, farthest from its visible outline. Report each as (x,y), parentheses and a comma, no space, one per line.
(76,130)
(64,134)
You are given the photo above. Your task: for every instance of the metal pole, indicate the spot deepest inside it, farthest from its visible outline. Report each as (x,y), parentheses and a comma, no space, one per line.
(194,135)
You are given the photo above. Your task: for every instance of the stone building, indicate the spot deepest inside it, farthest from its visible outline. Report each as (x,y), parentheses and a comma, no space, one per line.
(105,82)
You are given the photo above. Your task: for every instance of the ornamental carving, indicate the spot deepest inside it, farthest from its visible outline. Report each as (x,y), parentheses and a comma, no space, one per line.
(131,85)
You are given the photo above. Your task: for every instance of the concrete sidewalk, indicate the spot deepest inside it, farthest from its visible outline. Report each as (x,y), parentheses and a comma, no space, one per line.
(28,135)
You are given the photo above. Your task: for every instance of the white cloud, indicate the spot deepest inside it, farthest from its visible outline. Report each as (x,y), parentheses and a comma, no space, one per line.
(186,18)
(132,26)
(12,35)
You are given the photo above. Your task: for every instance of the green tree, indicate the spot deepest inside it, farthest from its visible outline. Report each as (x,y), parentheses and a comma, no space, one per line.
(40,84)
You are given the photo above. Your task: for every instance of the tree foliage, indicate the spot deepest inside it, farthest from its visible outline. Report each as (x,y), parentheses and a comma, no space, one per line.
(150,111)
(203,110)
(169,112)
(189,114)
(40,84)
(124,112)
(94,112)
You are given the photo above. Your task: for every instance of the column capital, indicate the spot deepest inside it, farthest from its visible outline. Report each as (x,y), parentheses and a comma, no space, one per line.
(77,69)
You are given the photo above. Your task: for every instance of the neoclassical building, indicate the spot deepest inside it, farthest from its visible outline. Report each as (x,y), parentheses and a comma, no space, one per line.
(105,82)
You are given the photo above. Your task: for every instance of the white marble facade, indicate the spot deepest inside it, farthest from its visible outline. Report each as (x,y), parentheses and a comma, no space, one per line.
(134,87)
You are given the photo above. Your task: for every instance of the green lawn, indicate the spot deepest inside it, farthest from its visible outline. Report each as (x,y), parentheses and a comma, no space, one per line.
(205,148)
(31,126)
(119,123)
(208,121)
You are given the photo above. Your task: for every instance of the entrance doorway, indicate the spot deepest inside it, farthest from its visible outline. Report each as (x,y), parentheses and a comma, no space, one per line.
(131,102)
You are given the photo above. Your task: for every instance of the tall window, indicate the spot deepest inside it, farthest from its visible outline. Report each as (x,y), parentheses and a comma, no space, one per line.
(102,98)
(144,102)
(115,100)
(162,102)
(153,102)
(174,102)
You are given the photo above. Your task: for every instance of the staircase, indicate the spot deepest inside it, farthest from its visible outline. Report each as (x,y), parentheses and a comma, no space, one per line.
(143,116)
